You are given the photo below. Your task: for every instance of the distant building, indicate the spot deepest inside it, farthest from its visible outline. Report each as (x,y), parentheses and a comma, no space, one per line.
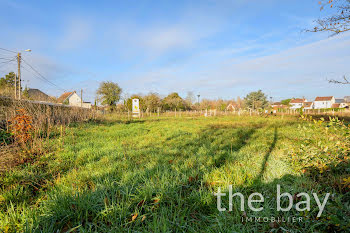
(230,107)
(339,101)
(297,103)
(336,105)
(324,102)
(278,105)
(73,99)
(275,104)
(342,103)
(308,105)
(36,94)
(347,99)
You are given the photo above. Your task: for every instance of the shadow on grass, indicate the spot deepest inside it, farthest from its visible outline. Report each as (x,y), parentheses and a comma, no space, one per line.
(173,204)
(267,156)
(173,193)
(169,197)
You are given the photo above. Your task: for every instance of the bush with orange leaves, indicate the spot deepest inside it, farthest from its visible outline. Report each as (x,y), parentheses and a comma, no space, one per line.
(21,127)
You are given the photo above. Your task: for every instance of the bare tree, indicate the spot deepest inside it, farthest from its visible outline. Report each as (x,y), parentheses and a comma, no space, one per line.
(338,22)
(346,81)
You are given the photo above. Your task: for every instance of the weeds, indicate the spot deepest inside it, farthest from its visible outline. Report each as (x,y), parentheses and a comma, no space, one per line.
(323,154)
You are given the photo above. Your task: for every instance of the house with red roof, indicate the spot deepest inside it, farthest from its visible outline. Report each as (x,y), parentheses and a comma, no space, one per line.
(308,105)
(297,103)
(73,99)
(324,102)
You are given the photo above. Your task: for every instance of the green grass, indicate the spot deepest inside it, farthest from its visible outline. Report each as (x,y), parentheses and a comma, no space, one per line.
(159,175)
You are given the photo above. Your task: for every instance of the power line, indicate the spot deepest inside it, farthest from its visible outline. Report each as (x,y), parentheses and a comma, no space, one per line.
(6,58)
(41,76)
(8,50)
(36,75)
(13,59)
(6,62)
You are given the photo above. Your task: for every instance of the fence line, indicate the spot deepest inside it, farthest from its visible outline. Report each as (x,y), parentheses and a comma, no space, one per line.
(43,114)
(213,113)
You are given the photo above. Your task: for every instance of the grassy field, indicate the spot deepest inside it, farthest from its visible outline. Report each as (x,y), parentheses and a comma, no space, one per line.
(159,175)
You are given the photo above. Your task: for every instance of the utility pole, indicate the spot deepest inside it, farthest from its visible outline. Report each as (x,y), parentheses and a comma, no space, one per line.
(19,74)
(198,98)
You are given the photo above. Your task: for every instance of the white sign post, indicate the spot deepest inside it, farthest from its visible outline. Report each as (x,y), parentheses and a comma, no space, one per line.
(135,108)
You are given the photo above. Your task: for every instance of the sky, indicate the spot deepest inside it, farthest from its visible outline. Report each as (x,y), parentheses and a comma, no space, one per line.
(215,48)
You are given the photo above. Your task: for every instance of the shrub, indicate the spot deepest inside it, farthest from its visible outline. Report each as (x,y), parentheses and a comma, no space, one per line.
(21,127)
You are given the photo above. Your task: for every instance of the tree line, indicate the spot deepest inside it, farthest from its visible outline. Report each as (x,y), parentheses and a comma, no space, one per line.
(110,94)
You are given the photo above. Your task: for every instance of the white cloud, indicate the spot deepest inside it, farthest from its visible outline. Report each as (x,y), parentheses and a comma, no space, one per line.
(75,33)
(155,40)
(298,71)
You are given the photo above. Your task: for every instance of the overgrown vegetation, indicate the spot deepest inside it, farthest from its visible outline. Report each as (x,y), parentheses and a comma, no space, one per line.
(159,175)
(27,128)
(322,153)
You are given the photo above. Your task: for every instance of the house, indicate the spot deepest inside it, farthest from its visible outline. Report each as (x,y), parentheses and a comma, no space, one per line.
(278,105)
(324,102)
(340,103)
(336,105)
(344,105)
(73,99)
(347,99)
(36,94)
(308,105)
(230,107)
(297,103)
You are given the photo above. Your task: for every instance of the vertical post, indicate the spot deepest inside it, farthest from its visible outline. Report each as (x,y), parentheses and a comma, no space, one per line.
(158,111)
(81,100)
(15,86)
(19,74)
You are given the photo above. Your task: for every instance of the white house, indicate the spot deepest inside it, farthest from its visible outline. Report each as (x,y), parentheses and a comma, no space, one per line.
(297,103)
(73,99)
(308,105)
(324,102)
(340,103)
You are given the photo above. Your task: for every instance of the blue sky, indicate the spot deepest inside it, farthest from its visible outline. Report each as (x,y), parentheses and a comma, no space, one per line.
(217,48)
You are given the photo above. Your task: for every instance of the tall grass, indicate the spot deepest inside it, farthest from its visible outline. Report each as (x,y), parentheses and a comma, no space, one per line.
(159,175)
